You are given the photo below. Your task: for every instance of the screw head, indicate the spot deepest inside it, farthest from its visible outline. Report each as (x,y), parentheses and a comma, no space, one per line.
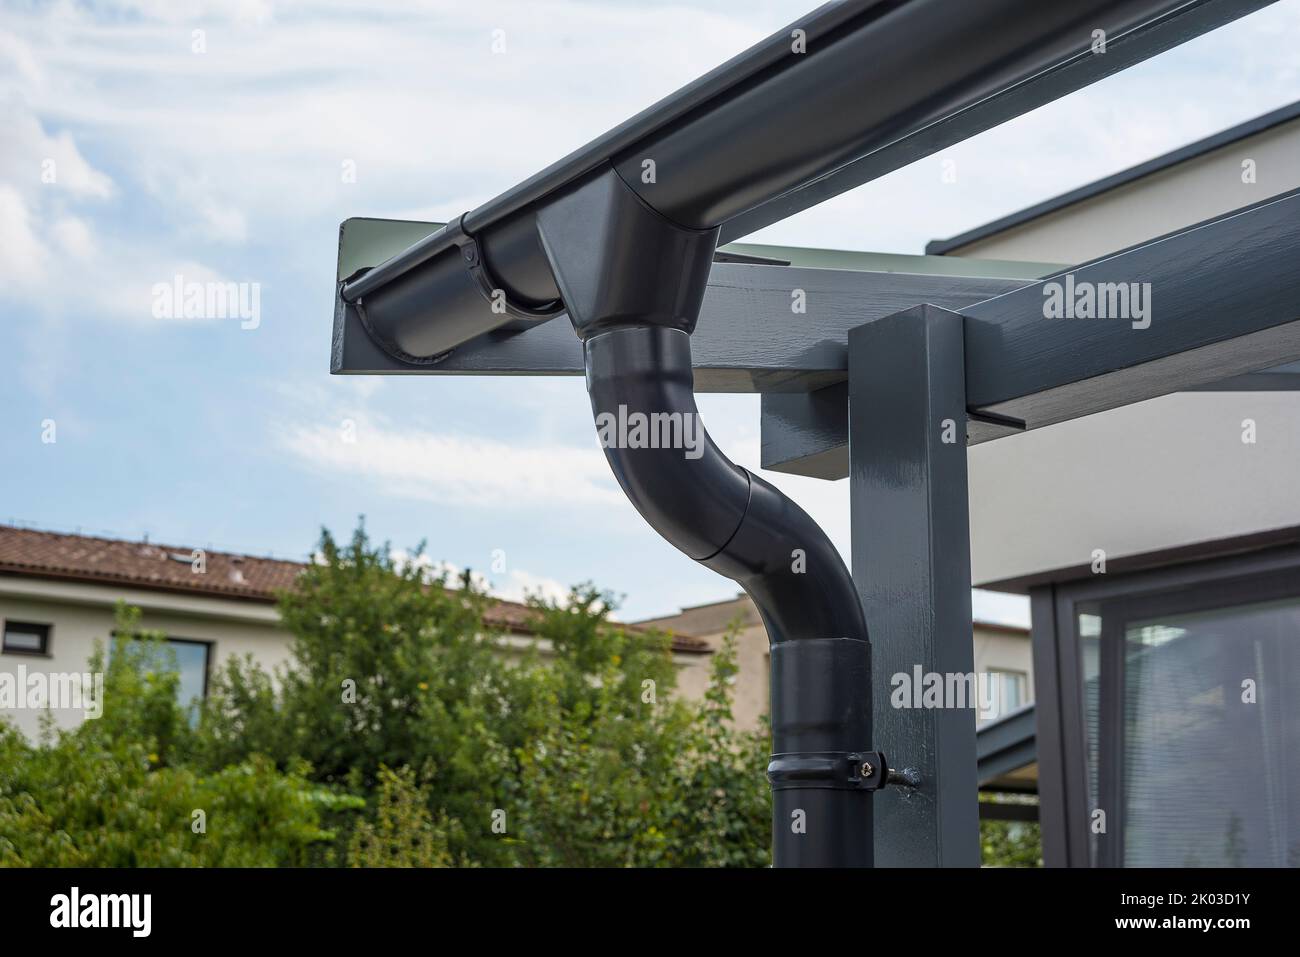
(868,769)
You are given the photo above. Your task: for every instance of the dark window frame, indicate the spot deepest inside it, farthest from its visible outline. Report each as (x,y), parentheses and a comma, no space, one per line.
(46,629)
(1204,585)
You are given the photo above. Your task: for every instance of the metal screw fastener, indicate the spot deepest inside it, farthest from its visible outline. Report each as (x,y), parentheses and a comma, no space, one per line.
(868,769)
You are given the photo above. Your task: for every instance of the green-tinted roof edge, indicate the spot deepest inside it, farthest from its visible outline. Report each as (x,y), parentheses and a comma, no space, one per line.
(895,262)
(370,241)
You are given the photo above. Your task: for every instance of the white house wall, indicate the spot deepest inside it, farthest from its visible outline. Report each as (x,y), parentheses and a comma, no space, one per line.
(81,614)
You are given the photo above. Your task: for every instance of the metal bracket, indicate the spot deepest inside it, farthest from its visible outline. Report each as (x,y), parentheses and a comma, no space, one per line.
(839,770)
(476,265)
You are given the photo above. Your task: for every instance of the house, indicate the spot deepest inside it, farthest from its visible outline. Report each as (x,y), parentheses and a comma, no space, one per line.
(1159,546)
(1002,658)
(58,593)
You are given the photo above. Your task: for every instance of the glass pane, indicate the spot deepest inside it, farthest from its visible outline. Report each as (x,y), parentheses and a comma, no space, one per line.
(1006,692)
(17,639)
(188,658)
(192,660)
(1088,625)
(1211,734)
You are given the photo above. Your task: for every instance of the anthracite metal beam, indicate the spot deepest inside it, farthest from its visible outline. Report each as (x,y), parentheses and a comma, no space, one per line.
(1224,301)
(911,563)
(750,337)
(1006,744)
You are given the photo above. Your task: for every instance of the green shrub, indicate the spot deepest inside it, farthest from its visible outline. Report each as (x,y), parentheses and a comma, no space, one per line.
(111,794)
(401,732)
(580,757)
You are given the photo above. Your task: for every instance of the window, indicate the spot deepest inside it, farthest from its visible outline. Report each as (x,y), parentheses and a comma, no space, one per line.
(188,658)
(1193,691)
(1178,697)
(25,638)
(1007,691)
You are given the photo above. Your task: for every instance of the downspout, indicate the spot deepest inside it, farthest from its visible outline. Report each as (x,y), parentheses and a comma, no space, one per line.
(632,284)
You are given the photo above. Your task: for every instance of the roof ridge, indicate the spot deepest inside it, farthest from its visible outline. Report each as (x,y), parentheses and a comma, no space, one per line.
(97,559)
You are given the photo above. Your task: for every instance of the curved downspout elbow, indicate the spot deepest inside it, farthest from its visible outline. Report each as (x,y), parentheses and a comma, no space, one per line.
(632,283)
(641,386)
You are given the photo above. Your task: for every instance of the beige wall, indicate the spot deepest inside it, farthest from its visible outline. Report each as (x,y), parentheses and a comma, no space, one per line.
(1004,649)
(753,660)
(996,648)
(81,614)
(1165,473)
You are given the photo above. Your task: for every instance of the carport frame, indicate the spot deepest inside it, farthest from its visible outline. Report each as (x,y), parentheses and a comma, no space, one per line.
(989,363)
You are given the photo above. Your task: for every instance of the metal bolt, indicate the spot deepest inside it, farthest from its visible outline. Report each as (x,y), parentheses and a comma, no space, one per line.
(868,769)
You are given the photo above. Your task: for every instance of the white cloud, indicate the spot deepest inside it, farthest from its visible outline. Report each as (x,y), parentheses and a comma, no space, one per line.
(1212,82)
(514,585)
(23,262)
(520,585)
(255,128)
(73,237)
(41,177)
(453,469)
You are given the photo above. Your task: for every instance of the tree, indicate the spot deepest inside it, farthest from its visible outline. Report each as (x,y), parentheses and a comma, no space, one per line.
(401,732)
(111,793)
(525,757)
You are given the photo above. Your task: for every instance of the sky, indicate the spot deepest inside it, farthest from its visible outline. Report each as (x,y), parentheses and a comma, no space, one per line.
(225,141)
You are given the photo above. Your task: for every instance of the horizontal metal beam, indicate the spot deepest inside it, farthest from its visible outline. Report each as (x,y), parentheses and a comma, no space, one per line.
(992,811)
(1007,744)
(761,329)
(1224,301)
(807,433)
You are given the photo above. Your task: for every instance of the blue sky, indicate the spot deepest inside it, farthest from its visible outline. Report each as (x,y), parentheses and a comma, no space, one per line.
(227,164)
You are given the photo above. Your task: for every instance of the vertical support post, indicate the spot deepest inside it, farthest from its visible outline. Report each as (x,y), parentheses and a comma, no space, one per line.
(911,564)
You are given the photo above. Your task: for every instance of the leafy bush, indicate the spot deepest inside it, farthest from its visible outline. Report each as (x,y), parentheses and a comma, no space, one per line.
(581,756)
(109,794)
(401,732)
(1010,843)
(403,833)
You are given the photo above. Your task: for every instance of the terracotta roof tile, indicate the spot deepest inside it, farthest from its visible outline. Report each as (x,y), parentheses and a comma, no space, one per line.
(85,558)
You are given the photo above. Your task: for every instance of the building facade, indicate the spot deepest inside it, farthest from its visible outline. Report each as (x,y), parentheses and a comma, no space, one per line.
(1003,662)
